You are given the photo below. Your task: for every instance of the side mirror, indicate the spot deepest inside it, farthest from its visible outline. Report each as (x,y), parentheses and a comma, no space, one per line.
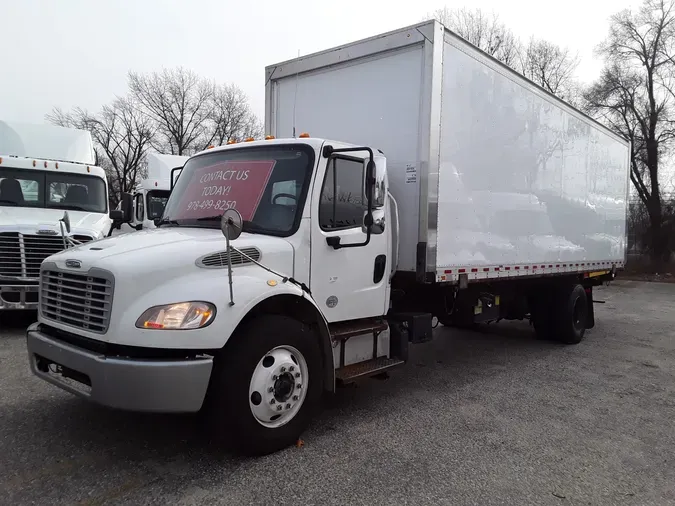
(117,216)
(231,224)
(66,221)
(127,207)
(374,221)
(157,221)
(379,187)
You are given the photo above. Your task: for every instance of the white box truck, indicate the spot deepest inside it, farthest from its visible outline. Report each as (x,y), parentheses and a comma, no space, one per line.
(45,170)
(152,193)
(442,184)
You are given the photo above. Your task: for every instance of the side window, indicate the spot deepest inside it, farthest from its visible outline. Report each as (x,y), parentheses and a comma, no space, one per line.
(30,190)
(285,193)
(343,203)
(139,207)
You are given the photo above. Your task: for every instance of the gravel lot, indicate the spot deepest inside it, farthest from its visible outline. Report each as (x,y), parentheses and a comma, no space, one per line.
(490,417)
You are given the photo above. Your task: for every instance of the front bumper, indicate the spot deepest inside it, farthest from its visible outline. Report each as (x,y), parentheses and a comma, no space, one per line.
(151,385)
(19,296)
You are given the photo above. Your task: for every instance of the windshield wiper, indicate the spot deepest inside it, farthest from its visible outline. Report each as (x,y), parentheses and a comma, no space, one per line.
(72,207)
(211,218)
(5,201)
(166,221)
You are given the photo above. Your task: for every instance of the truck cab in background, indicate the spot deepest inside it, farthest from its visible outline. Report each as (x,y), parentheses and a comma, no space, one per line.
(153,192)
(44,171)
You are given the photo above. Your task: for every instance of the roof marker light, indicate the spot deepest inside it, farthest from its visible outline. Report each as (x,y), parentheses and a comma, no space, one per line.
(304,135)
(249,139)
(231,141)
(269,137)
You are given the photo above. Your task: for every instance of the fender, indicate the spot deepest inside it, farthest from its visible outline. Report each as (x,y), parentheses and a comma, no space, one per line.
(302,307)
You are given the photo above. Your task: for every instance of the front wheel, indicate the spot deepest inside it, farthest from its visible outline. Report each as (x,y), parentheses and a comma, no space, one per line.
(265,384)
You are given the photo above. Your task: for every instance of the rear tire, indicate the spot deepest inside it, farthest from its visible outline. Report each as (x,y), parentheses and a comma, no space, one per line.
(560,312)
(271,362)
(570,314)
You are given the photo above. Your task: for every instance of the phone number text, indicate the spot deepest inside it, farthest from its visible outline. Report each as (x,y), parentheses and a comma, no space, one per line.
(217,205)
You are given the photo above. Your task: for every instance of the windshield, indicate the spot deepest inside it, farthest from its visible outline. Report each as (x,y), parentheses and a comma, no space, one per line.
(267,185)
(51,189)
(157,200)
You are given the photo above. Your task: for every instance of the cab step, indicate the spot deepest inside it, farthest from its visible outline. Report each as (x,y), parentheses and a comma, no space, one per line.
(352,372)
(341,331)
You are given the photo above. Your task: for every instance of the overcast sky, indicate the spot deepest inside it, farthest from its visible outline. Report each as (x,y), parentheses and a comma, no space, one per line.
(69,53)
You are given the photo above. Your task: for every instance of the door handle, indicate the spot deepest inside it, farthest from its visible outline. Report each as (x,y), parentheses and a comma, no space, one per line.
(378,271)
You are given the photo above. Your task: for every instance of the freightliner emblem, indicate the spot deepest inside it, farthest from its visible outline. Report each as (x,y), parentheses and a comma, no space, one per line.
(74,264)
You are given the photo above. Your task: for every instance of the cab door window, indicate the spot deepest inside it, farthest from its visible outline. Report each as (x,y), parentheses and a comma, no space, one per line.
(343,202)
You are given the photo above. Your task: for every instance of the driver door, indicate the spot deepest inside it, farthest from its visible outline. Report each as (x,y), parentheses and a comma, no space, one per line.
(349,282)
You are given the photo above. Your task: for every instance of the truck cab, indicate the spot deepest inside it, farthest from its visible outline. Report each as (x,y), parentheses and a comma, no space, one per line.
(311,267)
(152,194)
(44,171)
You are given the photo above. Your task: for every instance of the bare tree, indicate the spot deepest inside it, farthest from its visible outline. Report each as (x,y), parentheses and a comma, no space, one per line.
(484,31)
(231,116)
(634,96)
(179,102)
(552,67)
(122,136)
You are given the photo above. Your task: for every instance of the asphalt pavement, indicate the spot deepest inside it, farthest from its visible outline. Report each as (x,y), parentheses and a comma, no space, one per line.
(487,417)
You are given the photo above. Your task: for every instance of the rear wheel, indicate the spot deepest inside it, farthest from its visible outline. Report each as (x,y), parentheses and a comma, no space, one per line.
(560,312)
(265,385)
(571,314)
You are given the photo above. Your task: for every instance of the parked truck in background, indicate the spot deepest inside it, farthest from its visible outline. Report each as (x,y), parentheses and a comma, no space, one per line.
(152,193)
(44,170)
(432,181)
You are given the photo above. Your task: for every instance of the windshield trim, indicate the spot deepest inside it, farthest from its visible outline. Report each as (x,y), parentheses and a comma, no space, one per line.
(44,203)
(215,224)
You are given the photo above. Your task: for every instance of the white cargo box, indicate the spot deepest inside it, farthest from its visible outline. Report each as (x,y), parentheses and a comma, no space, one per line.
(494,177)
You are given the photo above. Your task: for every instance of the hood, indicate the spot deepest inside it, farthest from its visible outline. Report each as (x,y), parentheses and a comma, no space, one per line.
(172,252)
(29,219)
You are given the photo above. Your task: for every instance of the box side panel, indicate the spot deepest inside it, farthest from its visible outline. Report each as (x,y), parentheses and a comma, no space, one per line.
(372,101)
(524,180)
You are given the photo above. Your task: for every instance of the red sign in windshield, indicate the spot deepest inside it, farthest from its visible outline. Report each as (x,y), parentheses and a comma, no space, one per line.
(227,185)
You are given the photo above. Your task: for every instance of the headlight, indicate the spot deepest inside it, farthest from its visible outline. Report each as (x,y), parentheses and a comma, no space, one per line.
(180,316)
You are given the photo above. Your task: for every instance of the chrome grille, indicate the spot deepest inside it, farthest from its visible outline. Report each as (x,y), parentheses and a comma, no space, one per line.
(21,254)
(78,300)
(11,259)
(219,259)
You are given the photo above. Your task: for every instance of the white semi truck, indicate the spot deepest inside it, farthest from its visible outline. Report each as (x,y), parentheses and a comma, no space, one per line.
(45,170)
(433,182)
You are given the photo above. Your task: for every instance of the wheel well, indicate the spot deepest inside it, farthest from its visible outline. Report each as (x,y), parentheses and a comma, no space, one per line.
(304,311)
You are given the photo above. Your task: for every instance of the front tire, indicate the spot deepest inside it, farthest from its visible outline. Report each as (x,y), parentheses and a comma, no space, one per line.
(265,385)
